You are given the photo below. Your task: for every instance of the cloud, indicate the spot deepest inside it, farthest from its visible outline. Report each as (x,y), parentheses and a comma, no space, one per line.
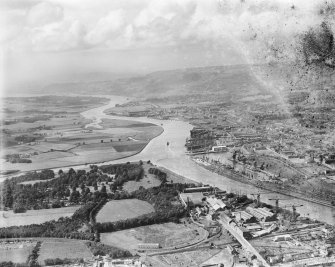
(257,28)
(65,35)
(106,28)
(44,13)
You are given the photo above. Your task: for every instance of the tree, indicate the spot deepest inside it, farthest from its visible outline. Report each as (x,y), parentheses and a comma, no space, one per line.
(103,189)
(71,172)
(82,186)
(67,192)
(75,195)
(7,194)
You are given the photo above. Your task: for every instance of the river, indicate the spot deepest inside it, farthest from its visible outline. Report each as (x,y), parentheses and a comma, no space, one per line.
(173,157)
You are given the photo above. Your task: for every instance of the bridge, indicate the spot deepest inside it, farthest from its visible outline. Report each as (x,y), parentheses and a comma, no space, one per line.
(224,221)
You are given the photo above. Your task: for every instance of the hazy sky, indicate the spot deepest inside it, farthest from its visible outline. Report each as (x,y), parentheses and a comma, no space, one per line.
(41,39)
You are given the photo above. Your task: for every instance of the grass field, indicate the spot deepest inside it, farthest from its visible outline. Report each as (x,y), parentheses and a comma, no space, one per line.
(116,210)
(167,235)
(17,253)
(146,182)
(8,218)
(58,248)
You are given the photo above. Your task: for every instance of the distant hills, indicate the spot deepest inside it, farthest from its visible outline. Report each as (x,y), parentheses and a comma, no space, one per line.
(236,80)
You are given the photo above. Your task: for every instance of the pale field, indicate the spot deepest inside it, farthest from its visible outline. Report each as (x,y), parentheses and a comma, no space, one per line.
(166,234)
(130,146)
(125,124)
(63,248)
(120,131)
(56,123)
(43,157)
(47,146)
(147,181)
(92,152)
(9,218)
(117,210)
(186,259)
(87,157)
(16,254)
(96,146)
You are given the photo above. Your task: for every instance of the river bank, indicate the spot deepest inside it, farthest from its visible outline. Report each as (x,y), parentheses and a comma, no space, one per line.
(173,157)
(78,140)
(264,186)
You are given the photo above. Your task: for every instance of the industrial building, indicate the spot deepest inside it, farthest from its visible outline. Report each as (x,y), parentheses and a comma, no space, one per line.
(215,203)
(191,199)
(260,214)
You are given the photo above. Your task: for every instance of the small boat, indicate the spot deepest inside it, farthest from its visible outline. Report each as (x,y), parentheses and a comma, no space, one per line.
(167,143)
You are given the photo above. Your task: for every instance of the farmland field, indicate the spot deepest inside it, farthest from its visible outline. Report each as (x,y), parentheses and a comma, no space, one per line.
(17,252)
(59,248)
(8,218)
(167,235)
(116,210)
(61,136)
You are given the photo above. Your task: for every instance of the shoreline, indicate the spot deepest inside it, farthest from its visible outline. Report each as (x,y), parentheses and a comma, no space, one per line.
(110,98)
(175,159)
(233,177)
(85,164)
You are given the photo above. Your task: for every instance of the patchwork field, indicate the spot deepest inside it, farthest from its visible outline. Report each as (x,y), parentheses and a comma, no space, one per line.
(8,218)
(61,136)
(17,252)
(58,248)
(116,210)
(167,235)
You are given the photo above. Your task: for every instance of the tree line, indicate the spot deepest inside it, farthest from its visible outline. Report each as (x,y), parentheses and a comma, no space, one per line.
(164,198)
(72,187)
(162,176)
